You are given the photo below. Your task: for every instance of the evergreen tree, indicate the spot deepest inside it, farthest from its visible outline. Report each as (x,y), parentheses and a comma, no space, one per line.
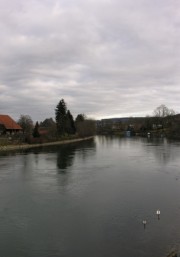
(70,125)
(49,122)
(80,118)
(60,116)
(36,130)
(79,121)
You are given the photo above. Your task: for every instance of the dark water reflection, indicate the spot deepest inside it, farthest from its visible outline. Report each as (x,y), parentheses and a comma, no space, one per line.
(66,153)
(89,199)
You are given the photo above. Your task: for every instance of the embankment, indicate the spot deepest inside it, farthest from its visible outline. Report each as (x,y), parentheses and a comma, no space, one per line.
(26,146)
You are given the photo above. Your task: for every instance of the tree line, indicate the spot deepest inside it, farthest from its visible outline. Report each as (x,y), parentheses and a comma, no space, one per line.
(66,125)
(163,122)
(63,126)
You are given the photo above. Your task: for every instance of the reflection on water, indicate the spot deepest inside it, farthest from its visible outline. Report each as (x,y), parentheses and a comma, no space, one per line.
(164,152)
(162,149)
(66,153)
(90,198)
(65,157)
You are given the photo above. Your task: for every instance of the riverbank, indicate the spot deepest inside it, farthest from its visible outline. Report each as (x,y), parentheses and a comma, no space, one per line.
(173,254)
(27,146)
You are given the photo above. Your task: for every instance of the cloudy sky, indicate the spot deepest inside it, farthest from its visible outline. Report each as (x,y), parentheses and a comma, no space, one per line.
(106,58)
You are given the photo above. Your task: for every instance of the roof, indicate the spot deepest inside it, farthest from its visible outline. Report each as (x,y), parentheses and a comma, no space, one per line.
(9,123)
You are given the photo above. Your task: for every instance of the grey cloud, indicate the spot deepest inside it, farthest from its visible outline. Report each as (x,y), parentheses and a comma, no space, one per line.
(105,58)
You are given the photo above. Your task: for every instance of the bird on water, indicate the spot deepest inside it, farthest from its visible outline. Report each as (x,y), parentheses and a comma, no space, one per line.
(158,213)
(144,223)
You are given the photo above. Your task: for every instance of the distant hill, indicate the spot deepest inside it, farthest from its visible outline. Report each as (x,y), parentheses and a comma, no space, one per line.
(122,120)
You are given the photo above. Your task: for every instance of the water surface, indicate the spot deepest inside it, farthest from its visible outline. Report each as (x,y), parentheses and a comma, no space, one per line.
(89,199)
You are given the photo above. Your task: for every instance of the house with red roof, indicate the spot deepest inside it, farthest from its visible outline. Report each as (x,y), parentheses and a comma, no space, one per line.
(8,125)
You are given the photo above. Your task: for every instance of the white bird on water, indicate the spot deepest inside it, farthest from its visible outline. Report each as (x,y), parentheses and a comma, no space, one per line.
(144,223)
(158,213)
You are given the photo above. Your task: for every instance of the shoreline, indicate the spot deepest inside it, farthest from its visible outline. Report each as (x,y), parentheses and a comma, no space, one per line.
(27,146)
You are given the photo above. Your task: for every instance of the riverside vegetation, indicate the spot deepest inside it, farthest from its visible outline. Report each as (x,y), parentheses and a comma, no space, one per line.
(163,123)
(63,128)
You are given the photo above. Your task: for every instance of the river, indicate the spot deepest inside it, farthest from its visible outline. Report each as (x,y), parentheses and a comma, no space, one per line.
(89,199)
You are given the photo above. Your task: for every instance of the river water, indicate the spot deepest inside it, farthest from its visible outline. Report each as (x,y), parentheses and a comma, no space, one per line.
(89,199)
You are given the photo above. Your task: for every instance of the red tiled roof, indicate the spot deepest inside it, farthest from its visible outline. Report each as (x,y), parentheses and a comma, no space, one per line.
(8,122)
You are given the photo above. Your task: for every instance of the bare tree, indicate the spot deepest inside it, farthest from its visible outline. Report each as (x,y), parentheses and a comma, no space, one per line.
(164,115)
(86,128)
(26,124)
(163,111)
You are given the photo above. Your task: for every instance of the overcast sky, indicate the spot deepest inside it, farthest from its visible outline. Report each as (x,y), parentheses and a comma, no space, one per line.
(106,58)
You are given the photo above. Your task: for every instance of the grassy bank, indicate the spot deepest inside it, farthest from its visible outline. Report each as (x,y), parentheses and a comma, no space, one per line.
(26,146)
